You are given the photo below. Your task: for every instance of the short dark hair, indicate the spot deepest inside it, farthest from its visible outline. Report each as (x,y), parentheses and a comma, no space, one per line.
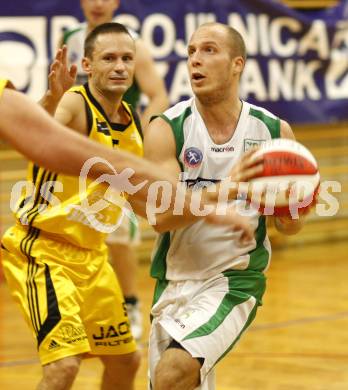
(105,28)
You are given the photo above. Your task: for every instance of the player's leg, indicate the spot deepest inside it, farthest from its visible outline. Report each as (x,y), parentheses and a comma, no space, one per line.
(122,244)
(49,301)
(107,326)
(60,375)
(170,366)
(206,324)
(125,264)
(177,370)
(120,370)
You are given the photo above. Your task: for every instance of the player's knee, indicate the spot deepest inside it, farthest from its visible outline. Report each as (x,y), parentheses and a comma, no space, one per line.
(168,377)
(125,365)
(61,372)
(133,363)
(176,375)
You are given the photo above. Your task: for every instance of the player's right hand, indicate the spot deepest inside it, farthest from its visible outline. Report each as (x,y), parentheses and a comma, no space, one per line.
(236,184)
(247,167)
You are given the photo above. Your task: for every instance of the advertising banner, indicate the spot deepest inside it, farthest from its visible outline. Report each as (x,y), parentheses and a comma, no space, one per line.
(297,63)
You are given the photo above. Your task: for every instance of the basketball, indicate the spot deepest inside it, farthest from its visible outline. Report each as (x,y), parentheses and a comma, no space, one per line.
(289,180)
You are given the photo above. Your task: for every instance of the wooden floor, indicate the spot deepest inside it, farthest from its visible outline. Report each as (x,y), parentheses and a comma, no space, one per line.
(299,340)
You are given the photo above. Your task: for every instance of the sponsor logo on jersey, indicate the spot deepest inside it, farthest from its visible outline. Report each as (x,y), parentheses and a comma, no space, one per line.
(250,143)
(221,149)
(114,343)
(102,127)
(111,331)
(112,336)
(193,157)
(53,344)
(71,334)
(200,182)
(182,326)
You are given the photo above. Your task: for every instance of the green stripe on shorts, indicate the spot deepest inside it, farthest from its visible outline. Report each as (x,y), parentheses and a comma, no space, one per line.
(249,321)
(242,286)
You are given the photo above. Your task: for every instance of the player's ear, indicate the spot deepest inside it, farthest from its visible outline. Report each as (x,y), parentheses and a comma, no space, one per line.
(238,65)
(86,65)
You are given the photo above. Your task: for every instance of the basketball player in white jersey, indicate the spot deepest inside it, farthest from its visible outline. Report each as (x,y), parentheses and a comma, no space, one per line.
(209,283)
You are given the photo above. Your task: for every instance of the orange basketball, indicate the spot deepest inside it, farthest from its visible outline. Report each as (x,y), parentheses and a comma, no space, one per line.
(289,180)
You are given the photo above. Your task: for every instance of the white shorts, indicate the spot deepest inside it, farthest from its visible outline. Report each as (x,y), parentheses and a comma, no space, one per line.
(206,317)
(127,233)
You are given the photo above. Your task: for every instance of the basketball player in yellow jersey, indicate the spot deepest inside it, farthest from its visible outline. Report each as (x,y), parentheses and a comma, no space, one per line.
(5,84)
(57,148)
(70,294)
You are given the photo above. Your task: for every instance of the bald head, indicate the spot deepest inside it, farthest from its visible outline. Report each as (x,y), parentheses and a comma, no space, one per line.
(234,40)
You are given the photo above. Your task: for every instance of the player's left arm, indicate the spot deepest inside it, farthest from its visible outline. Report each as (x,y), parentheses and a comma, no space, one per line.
(286,224)
(60,79)
(150,83)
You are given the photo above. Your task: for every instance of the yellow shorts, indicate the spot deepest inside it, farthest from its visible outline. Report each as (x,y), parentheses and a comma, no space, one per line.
(69,296)
(127,233)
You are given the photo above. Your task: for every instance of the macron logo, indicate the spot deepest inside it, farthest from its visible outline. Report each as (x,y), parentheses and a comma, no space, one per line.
(222,149)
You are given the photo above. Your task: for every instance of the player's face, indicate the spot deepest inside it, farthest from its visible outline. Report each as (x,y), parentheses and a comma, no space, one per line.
(99,11)
(111,68)
(211,68)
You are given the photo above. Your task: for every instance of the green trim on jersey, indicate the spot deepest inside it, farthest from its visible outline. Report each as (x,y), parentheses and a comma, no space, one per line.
(241,286)
(259,257)
(132,95)
(177,138)
(159,266)
(273,124)
(177,126)
(159,288)
(68,34)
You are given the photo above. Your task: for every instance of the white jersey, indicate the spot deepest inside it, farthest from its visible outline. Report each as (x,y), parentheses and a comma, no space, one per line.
(75,40)
(200,250)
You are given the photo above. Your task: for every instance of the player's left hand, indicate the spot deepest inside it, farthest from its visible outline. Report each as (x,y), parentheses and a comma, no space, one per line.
(236,221)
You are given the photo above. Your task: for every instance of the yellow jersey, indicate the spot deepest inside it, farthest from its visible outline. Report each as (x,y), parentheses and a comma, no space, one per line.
(74,209)
(4,83)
